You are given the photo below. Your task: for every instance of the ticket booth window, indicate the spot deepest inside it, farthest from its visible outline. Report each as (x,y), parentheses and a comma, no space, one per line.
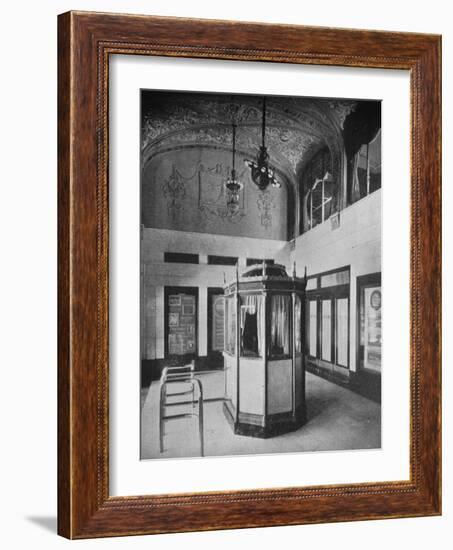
(252,325)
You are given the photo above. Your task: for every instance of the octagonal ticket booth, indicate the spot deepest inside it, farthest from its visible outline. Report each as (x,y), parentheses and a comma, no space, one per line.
(263,355)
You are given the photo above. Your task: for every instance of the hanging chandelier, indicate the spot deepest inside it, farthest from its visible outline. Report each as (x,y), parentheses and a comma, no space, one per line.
(261,171)
(233,185)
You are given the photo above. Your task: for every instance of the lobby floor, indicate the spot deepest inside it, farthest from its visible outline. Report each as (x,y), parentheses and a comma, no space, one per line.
(337,419)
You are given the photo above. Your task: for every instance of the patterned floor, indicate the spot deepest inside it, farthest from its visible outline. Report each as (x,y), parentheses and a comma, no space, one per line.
(338,419)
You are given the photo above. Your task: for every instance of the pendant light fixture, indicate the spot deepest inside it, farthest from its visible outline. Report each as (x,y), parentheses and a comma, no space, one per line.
(261,171)
(233,185)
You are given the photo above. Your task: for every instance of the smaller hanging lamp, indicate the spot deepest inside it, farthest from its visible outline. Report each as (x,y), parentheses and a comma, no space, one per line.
(233,185)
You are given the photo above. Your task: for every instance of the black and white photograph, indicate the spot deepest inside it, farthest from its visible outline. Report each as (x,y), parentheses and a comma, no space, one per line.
(225,283)
(260,274)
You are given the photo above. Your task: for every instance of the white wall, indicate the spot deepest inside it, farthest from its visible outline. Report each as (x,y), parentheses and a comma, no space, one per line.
(157,274)
(355,243)
(28,275)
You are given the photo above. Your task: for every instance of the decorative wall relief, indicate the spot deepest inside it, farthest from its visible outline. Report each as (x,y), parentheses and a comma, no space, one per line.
(184,190)
(212,195)
(174,191)
(265,205)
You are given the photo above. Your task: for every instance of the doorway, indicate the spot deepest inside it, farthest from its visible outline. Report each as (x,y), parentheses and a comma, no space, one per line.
(216,327)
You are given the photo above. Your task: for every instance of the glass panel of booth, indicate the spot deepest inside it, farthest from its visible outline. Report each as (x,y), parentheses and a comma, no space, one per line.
(280,340)
(230,325)
(252,325)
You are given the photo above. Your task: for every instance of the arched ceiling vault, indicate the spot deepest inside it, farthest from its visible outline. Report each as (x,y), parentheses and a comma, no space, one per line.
(295,127)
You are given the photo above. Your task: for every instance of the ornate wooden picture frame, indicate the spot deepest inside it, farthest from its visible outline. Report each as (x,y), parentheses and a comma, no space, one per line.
(85,507)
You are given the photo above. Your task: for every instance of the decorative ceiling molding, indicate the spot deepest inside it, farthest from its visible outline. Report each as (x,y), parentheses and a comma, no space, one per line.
(294,126)
(284,144)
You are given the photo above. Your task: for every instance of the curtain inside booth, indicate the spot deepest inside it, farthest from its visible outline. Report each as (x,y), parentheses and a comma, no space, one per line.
(252,325)
(280,324)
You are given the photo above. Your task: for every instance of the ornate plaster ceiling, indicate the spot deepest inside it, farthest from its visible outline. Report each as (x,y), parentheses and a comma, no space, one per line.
(294,126)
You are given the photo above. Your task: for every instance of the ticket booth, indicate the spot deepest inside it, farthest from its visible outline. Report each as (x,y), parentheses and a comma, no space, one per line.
(264,351)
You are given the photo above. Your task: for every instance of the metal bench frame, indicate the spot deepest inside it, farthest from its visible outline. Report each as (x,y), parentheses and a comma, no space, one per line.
(180,375)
